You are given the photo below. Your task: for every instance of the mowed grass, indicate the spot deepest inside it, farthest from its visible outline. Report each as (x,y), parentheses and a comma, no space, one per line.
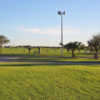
(43,52)
(77,82)
(77,59)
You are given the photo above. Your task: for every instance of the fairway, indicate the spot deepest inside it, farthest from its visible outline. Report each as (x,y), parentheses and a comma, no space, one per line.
(51,82)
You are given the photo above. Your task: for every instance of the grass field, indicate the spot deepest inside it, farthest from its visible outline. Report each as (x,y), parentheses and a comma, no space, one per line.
(43,52)
(23,79)
(57,59)
(49,82)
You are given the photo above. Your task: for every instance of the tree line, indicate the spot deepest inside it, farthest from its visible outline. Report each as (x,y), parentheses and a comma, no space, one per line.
(93,45)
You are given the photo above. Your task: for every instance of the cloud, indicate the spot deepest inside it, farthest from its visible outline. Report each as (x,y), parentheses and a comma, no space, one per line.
(49,31)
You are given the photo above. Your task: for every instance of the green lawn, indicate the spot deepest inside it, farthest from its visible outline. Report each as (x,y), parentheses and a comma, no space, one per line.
(77,82)
(57,59)
(44,52)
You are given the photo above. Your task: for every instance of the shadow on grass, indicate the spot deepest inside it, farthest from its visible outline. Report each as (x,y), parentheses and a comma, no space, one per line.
(53,63)
(44,61)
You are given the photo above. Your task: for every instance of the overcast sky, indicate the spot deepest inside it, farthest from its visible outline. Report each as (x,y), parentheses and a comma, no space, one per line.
(35,22)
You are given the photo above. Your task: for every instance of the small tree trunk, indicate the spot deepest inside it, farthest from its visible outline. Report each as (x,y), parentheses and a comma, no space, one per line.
(73,54)
(67,50)
(96,55)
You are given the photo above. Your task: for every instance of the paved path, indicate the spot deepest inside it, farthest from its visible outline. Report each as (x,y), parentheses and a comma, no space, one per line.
(49,62)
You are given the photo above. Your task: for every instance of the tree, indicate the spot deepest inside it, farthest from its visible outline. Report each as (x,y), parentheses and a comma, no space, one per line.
(3,40)
(72,46)
(94,45)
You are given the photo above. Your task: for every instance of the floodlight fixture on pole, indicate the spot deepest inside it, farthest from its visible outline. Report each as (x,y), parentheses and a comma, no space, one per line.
(61,43)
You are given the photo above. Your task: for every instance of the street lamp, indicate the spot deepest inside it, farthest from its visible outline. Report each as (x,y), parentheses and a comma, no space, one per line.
(61,14)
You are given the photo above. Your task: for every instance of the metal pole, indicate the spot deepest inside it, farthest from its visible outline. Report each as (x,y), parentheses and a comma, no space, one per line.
(61,14)
(61,35)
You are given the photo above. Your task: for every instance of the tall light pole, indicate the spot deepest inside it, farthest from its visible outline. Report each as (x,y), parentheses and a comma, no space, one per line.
(61,14)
